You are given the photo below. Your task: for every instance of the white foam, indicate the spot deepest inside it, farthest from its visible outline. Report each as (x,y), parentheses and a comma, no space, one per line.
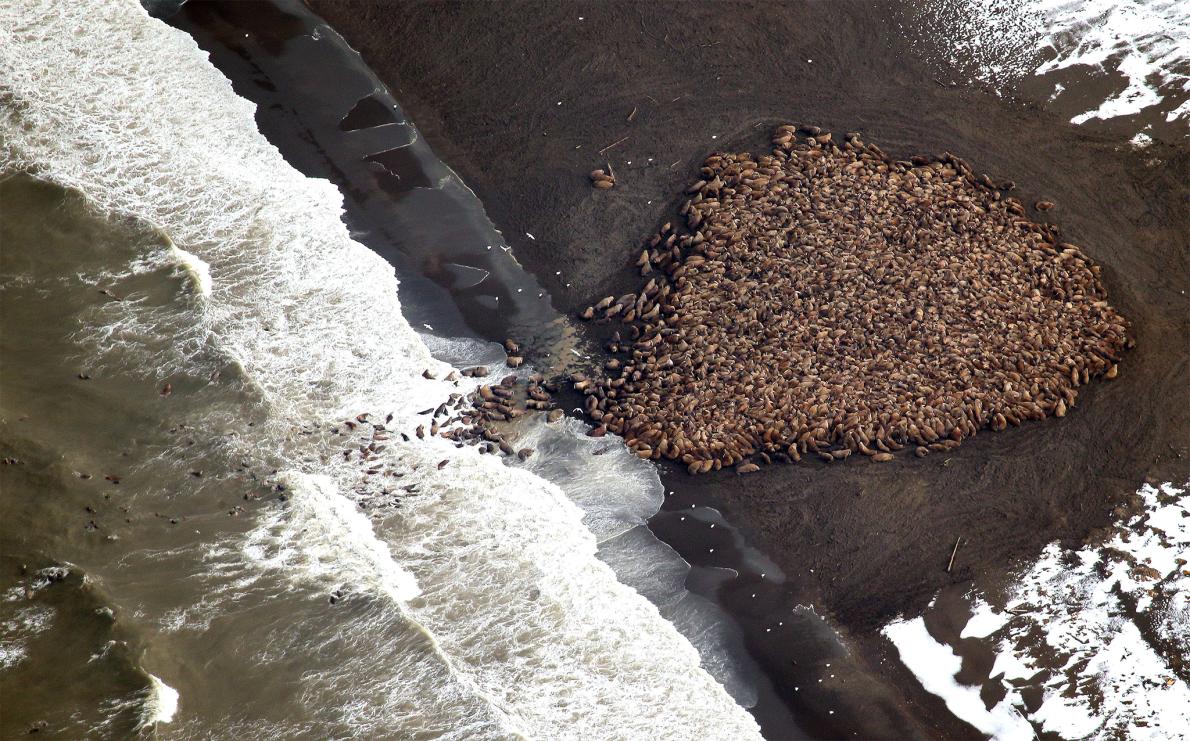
(25,622)
(324,534)
(161,705)
(534,632)
(617,493)
(566,456)
(11,654)
(198,270)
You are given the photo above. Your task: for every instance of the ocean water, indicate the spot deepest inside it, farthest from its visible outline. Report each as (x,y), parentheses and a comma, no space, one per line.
(197,356)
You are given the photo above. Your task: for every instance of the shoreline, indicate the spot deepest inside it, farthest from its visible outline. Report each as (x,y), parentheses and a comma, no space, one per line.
(268,327)
(680,82)
(818,524)
(309,130)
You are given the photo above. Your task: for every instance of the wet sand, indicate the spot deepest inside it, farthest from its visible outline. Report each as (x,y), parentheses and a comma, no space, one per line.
(521,98)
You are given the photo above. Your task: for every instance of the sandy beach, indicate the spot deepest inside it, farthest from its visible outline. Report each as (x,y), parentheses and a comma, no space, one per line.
(525,99)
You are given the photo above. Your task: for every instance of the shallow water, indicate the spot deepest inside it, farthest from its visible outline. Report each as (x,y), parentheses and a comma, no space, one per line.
(73,426)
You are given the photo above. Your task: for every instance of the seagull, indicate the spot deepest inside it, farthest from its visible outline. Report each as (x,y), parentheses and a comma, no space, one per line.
(428,327)
(530,236)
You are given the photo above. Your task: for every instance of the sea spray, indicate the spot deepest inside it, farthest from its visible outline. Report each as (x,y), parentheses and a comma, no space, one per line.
(325,535)
(518,608)
(161,704)
(197,270)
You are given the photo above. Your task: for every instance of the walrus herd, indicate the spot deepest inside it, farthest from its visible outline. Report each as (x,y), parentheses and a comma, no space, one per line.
(826,299)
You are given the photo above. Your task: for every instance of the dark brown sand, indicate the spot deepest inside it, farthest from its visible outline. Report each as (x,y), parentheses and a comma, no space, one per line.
(521,97)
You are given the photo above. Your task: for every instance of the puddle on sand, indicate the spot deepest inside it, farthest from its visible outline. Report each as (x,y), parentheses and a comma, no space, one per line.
(368,112)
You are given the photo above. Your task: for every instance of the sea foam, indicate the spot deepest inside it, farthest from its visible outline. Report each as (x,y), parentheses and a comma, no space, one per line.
(493,563)
(161,705)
